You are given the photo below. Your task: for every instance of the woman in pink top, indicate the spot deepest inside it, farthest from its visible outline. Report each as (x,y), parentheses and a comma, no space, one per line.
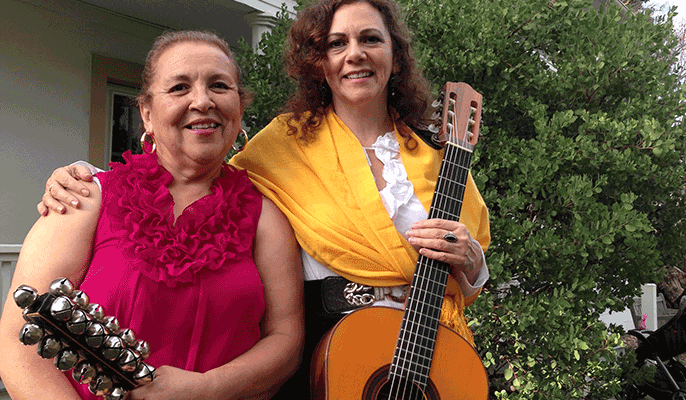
(177,245)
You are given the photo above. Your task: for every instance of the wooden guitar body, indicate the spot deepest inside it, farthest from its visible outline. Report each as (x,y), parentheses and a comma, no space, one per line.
(353,361)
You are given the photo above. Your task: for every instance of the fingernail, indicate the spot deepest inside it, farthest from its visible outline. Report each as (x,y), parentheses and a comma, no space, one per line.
(84,192)
(62,210)
(74,203)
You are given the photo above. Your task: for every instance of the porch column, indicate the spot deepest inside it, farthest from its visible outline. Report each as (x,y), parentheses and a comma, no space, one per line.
(260,24)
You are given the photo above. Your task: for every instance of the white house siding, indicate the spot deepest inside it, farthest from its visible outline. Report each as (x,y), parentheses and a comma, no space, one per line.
(45,70)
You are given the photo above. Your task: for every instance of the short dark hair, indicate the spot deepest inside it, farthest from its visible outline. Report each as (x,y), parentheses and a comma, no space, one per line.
(170,38)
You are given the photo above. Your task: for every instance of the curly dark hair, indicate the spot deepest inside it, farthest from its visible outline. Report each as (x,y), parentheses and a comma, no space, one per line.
(408,92)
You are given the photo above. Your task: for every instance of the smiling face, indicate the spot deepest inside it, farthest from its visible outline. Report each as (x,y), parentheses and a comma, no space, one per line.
(194,111)
(359,56)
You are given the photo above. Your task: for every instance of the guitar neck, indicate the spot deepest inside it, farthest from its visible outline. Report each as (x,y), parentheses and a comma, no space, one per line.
(417,337)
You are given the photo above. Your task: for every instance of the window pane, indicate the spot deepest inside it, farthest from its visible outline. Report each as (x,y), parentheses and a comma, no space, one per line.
(126,123)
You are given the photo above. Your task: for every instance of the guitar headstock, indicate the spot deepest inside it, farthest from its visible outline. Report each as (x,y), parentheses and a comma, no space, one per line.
(459,111)
(76,333)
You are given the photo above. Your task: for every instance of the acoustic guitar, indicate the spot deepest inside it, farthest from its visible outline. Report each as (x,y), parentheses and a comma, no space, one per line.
(378,352)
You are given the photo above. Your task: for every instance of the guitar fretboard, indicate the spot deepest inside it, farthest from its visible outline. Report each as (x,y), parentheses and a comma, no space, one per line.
(417,338)
(413,355)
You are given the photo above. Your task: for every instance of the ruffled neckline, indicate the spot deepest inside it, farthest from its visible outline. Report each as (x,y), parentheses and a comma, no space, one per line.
(211,231)
(399,189)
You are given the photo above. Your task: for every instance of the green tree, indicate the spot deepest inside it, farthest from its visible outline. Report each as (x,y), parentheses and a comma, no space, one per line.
(580,163)
(264,75)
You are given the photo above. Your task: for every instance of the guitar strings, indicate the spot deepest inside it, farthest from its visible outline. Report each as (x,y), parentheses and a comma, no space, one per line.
(432,275)
(449,209)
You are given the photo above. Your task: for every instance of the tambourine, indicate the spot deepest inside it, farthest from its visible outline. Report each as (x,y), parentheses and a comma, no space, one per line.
(76,333)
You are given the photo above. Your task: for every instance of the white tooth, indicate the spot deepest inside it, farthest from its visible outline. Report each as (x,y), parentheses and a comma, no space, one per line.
(203,126)
(360,75)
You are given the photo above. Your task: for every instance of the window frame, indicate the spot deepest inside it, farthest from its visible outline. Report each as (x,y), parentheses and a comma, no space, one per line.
(106,70)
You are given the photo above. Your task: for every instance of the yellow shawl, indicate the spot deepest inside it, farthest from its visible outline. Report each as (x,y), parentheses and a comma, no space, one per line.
(327,191)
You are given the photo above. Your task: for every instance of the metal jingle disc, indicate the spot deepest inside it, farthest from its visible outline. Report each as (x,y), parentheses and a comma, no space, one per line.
(128,360)
(78,323)
(95,335)
(80,298)
(62,308)
(112,325)
(25,295)
(25,314)
(48,347)
(112,347)
(143,348)
(128,337)
(30,334)
(143,373)
(83,372)
(101,385)
(66,359)
(61,287)
(117,394)
(95,310)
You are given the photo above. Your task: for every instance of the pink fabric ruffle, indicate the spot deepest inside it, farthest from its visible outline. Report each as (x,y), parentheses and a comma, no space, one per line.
(209,232)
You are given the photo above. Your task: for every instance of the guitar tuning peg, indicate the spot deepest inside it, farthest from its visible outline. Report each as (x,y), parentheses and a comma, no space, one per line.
(95,310)
(48,347)
(112,347)
(80,298)
(436,103)
(30,334)
(62,308)
(61,287)
(143,373)
(117,394)
(128,360)
(78,323)
(143,348)
(66,359)
(434,129)
(129,337)
(436,116)
(101,385)
(25,296)
(95,335)
(83,372)
(112,325)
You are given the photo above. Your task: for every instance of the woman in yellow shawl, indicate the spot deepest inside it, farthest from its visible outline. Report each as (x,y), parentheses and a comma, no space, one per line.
(350,174)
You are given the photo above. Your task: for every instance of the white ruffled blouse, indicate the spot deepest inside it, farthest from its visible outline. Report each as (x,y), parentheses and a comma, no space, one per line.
(402,206)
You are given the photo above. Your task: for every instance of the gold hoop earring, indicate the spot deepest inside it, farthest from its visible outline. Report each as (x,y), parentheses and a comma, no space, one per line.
(145,141)
(245,141)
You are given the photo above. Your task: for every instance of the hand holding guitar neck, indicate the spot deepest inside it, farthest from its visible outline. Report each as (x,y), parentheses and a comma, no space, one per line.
(76,333)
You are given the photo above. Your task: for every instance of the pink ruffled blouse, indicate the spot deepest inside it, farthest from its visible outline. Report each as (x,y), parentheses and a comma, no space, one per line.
(188,287)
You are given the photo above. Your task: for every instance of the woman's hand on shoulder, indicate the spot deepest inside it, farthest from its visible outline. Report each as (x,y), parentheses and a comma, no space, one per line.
(172,383)
(56,196)
(463,253)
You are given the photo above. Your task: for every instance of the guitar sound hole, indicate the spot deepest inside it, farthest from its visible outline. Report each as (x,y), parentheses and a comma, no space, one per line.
(379,387)
(400,390)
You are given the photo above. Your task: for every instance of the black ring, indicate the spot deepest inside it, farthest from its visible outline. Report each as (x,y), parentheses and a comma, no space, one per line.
(450,237)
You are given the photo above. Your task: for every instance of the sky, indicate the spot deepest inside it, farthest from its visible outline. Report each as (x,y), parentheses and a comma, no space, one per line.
(664,5)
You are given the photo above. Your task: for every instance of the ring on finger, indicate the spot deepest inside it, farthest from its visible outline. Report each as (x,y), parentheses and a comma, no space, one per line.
(450,237)
(50,187)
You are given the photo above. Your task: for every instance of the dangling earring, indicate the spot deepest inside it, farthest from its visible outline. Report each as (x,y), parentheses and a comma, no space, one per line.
(245,141)
(145,143)
(392,84)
